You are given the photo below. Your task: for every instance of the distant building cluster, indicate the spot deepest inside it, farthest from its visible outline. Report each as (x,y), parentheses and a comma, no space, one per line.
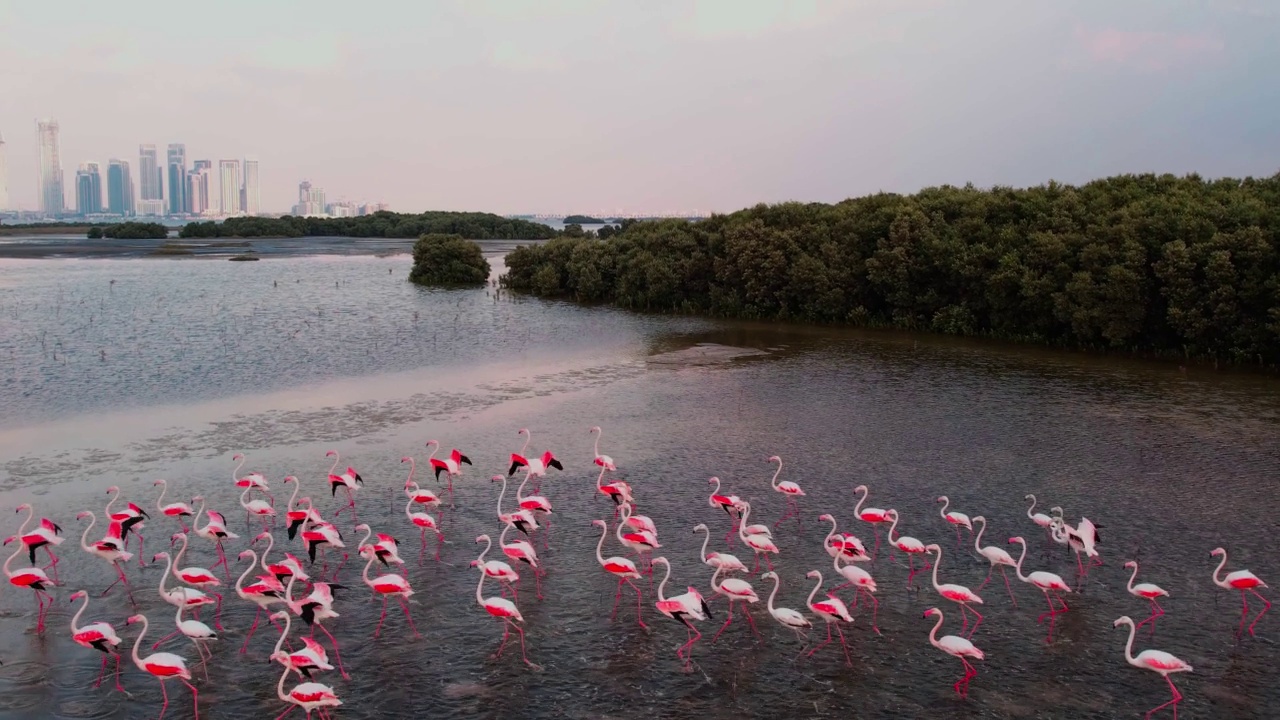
(311,203)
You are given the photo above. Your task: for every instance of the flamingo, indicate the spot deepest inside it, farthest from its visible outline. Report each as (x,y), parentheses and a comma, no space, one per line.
(197,577)
(641,542)
(130,519)
(875,516)
(862,581)
(163,666)
(214,530)
(349,480)
(506,611)
(522,551)
(259,594)
(310,696)
(959,594)
(177,510)
(619,491)
(843,545)
(497,569)
(256,507)
(535,503)
(715,559)
(98,636)
(45,536)
(728,503)
(682,608)
(833,611)
(1242,580)
(621,568)
(387,586)
(108,549)
(311,657)
(734,590)
(452,466)
(523,520)
(906,544)
(790,490)
(956,647)
(1148,592)
(289,567)
(759,543)
(537,467)
(603,461)
(996,556)
(314,609)
(957,520)
(1045,582)
(253,479)
(1040,519)
(178,597)
(1156,661)
(424,522)
(294,516)
(386,548)
(33,578)
(199,634)
(793,620)
(323,536)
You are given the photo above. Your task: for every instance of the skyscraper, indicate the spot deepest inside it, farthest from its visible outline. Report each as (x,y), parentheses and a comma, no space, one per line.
(252,204)
(198,186)
(119,188)
(51,196)
(310,200)
(4,179)
(179,203)
(89,189)
(150,182)
(229,173)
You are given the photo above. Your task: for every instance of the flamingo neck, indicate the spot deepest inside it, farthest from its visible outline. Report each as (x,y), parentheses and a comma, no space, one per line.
(933,634)
(502,539)
(488,543)
(137,660)
(1216,581)
(168,565)
(164,488)
(31,511)
(271,542)
(1133,577)
(177,560)
(364,540)
(84,537)
(1128,647)
(600,478)
(857,509)
(283,634)
(114,496)
(977,540)
(297,485)
(831,534)
(365,574)
(893,529)
(706,538)
(815,590)
(412,468)
(178,616)
(408,509)
(280,685)
(480,589)
(742,524)
(936,562)
(520,489)
(604,530)
(1021,556)
(776,473)
(776,583)
(244,497)
(946,503)
(433,443)
(1031,509)
(20,546)
(336,459)
(195,521)
(599,434)
(288,591)
(502,494)
(235,473)
(75,621)
(527,437)
(245,574)
(715,576)
(663,584)
(622,522)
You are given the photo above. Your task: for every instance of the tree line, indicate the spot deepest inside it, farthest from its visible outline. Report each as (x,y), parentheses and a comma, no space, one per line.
(470,225)
(1144,263)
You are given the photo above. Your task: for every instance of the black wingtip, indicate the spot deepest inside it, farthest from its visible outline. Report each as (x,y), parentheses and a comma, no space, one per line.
(438,469)
(556,464)
(465,459)
(333,489)
(359,479)
(514,466)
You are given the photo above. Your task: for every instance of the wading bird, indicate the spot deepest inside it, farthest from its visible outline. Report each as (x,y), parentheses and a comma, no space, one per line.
(1147,592)
(603,461)
(1245,582)
(682,608)
(621,568)
(1046,582)
(956,647)
(1156,661)
(163,666)
(790,491)
(98,636)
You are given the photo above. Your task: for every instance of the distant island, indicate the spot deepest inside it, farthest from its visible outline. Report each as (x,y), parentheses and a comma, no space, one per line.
(468,225)
(583,220)
(129,231)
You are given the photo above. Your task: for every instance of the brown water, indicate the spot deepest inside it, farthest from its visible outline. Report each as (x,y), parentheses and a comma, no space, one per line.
(1171,463)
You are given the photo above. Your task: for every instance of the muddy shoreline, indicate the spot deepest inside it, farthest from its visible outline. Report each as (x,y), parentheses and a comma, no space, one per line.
(69,246)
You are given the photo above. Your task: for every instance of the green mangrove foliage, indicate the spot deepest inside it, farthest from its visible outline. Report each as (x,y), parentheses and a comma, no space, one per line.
(473,226)
(129,231)
(440,259)
(1146,263)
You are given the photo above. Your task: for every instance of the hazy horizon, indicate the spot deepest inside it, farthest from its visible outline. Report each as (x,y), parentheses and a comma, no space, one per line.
(586,106)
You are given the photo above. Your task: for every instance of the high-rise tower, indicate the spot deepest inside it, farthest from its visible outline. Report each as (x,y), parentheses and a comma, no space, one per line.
(4,179)
(179,203)
(229,180)
(198,186)
(150,182)
(89,189)
(252,204)
(51,196)
(119,188)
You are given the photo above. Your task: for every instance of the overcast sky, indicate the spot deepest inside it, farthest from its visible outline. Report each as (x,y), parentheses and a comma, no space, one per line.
(584,105)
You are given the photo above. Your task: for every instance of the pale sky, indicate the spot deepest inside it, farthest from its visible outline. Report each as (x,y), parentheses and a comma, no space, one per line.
(646,105)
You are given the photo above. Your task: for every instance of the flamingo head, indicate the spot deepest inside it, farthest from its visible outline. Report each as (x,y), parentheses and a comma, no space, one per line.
(861,489)
(279,656)
(943,498)
(331,453)
(290,478)
(157,483)
(10,539)
(1130,564)
(891,513)
(246,553)
(22,507)
(306,500)
(700,527)
(522,431)
(433,442)
(826,518)
(474,563)
(84,514)
(1122,621)
(1017,540)
(598,523)
(1056,509)
(77,595)
(932,611)
(662,560)
(280,614)
(176,537)
(594,429)
(713,481)
(771,575)
(198,498)
(496,478)
(237,456)
(934,548)
(1217,551)
(813,574)
(406,459)
(133,619)
(482,538)
(980,519)
(259,536)
(362,527)
(160,556)
(113,489)
(1029,496)
(775,458)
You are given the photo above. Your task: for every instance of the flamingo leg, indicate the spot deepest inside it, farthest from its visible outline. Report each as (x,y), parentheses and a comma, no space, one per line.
(217,615)
(976,622)
(750,621)
(962,687)
(639,603)
(102,673)
(381,617)
(336,654)
(875,608)
(288,710)
(847,660)
(875,552)
(989,573)
(439,543)
(164,639)
(523,654)
(958,545)
(195,698)
(726,623)
(405,606)
(140,552)
(1007,587)
(821,645)
(1177,696)
(164,691)
(257,616)
(118,685)
(1264,610)
(687,648)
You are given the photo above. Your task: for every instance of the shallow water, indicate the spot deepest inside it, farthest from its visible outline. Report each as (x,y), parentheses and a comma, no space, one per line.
(1171,463)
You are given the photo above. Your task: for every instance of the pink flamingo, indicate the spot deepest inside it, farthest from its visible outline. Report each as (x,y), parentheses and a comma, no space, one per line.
(215,530)
(959,594)
(178,597)
(535,503)
(759,543)
(424,522)
(506,611)
(789,490)
(98,636)
(33,578)
(621,568)
(385,548)
(253,479)
(875,516)
(955,519)
(1044,521)
(682,608)
(163,666)
(536,466)
(715,559)
(387,586)
(294,516)
(833,611)
(177,510)
(734,590)
(641,542)
(603,461)
(45,536)
(256,507)
(311,657)
(1156,661)
(349,480)
(1148,592)
(290,566)
(199,634)
(619,492)
(452,465)
(323,537)
(259,593)
(108,549)
(864,584)
(523,520)
(310,696)
(522,551)
(130,519)
(497,569)
(906,544)
(1245,582)
(728,503)
(1045,582)
(197,577)
(996,556)
(843,545)
(793,620)
(314,609)
(956,647)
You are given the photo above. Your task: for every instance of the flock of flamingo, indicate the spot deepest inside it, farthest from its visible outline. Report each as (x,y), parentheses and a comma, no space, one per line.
(275,585)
